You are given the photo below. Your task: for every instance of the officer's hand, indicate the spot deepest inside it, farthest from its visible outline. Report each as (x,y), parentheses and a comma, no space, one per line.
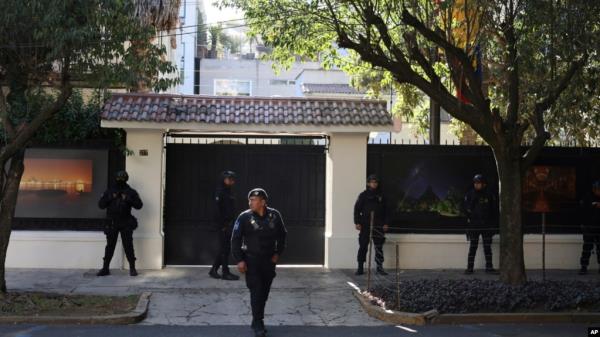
(358,227)
(114,196)
(242,268)
(275,259)
(386,228)
(123,196)
(596,204)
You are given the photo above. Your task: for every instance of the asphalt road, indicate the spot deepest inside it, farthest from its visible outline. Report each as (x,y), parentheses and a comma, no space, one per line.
(507,330)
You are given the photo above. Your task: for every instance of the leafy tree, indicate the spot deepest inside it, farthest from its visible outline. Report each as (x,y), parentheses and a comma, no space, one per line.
(533,54)
(46,49)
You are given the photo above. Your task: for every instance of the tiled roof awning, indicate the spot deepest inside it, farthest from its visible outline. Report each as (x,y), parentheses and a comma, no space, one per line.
(166,108)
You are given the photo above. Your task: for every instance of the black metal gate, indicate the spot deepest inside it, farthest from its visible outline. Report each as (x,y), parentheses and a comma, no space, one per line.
(292,170)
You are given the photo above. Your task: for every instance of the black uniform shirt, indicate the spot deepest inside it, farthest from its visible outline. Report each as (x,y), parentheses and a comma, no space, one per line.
(481,207)
(225,204)
(118,201)
(591,215)
(371,201)
(262,236)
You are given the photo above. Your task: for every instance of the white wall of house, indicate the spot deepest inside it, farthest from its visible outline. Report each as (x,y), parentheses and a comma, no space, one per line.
(449,251)
(345,178)
(265,81)
(346,170)
(186,43)
(59,249)
(145,175)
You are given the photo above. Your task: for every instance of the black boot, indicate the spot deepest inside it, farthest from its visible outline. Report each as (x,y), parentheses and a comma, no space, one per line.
(213,273)
(583,270)
(381,271)
(132,270)
(259,328)
(228,276)
(105,271)
(360,270)
(469,270)
(491,270)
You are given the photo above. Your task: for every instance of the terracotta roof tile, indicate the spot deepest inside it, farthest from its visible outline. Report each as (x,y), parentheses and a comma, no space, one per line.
(244,110)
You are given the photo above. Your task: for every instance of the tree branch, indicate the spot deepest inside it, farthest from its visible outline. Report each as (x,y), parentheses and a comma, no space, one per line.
(8,127)
(24,135)
(474,83)
(547,102)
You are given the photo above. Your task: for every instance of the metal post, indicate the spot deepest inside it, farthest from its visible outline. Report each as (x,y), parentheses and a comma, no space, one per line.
(370,250)
(397,275)
(544,246)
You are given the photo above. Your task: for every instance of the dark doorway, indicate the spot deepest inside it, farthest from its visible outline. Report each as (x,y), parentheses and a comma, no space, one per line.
(292,170)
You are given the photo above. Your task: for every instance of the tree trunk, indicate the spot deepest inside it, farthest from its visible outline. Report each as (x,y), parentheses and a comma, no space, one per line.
(512,264)
(8,203)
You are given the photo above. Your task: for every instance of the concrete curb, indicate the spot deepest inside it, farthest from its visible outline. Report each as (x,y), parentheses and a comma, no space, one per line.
(433,317)
(135,316)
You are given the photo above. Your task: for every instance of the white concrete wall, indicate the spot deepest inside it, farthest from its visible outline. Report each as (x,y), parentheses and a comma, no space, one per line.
(257,71)
(59,249)
(408,133)
(449,251)
(145,175)
(346,171)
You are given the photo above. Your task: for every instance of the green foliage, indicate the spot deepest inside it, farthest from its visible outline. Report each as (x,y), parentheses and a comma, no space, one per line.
(46,44)
(550,34)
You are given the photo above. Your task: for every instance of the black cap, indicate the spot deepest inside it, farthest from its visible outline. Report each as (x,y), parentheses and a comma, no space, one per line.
(258,192)
(372,177)
(122,176)
(228,174)
(596,184)
(479,178)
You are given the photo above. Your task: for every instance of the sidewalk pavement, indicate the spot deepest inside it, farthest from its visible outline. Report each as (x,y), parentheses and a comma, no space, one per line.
(188,296)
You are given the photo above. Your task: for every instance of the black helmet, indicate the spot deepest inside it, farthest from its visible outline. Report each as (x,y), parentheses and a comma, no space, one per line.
(258,192)
(372,177)
(479,178)
(596,185)
(122,176)
(228,174)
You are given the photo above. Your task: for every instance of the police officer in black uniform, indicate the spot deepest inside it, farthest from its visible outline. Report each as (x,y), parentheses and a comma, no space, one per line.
(224,216)
(118,201)
(591,227)
(371,200)
(481,208)
(257,242)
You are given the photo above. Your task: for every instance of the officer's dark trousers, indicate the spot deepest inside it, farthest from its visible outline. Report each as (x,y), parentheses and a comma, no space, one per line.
(363,245)
(589,240)
(222,258)
(112,235)
(259,277)
(487,248)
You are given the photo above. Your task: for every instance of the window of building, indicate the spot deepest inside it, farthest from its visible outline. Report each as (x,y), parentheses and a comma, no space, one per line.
(229,87)
(282,82)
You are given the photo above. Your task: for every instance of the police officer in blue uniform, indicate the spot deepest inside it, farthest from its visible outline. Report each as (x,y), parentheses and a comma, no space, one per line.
(257,242)
(590,227)
(371,200)
(224,217)
(118,201)
(481,208)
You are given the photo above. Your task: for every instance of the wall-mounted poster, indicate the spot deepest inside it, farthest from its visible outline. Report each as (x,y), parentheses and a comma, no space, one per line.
(62,183)
(549,188)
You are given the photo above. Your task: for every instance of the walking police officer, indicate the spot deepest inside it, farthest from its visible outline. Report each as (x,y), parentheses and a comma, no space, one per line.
(257,242)
(371,200)
(118,201)
(591,227)
(481,208)
(224,216)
